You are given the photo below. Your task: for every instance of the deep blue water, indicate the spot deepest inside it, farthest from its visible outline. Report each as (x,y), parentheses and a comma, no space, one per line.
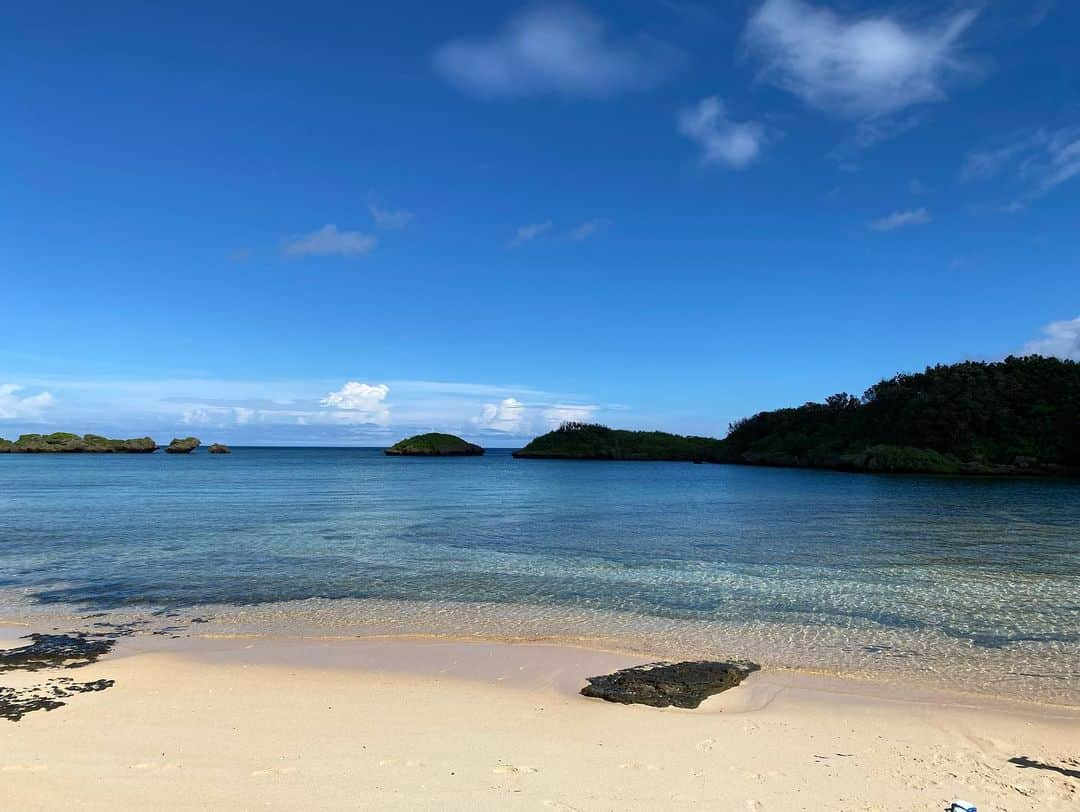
(990,561)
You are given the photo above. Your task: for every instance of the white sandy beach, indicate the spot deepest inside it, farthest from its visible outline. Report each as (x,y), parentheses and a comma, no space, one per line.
(414,724)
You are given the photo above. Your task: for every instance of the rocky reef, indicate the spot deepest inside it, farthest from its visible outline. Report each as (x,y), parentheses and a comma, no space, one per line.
(62,442)
(219,448)
(182,446)
(662,685)
(434,445)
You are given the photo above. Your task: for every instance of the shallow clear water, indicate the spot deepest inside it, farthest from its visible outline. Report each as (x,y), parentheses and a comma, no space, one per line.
(864,561)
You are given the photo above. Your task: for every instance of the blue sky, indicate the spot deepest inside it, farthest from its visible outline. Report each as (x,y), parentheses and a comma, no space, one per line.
(340,223)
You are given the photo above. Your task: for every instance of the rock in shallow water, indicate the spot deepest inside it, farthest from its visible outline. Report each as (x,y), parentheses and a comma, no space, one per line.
(661,685)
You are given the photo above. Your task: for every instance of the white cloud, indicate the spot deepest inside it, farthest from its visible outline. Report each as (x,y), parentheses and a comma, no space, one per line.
(900,219)
(391,220)
(1040,160)
(284,411)
(508,415)
(530,232)
(555,416)
(869,65)
(586,230)
(16,407)
(361,402)
(328,241)
(1061,339)
(511,416)
(218,416)
(554,49)
(733,144)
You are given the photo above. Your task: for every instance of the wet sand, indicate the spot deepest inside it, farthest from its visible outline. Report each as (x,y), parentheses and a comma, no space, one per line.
(390,723)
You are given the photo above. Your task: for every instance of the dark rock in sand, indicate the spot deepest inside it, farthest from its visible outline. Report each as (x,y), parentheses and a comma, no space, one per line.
(684,685)
(185,446)
(54,651)
(15,703)
(219,448)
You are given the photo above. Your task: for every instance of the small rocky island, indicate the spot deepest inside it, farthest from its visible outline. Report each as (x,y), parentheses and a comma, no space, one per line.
(219,448)
(589,441)
(62,442)
(184,446)
(434,445)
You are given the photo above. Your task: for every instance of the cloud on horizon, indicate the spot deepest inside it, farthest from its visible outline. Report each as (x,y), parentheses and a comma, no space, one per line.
(734,144)
(1061,339)
(557,49)
(298,412)
(14,406)
(360,403)
(857,66)
(329,241)
(512,416)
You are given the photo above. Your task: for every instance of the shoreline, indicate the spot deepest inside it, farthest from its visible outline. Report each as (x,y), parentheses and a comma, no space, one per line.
(387,722)
(1041,673)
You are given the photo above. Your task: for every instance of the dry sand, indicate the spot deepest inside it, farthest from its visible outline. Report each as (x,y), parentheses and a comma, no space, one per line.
(414,724)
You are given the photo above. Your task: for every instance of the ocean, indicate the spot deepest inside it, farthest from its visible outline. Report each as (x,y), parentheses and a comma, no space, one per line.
(965,582)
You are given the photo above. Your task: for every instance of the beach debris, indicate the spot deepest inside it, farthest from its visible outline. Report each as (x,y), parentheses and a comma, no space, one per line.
(962,806)
(15,703)
(54,651)
(661,685)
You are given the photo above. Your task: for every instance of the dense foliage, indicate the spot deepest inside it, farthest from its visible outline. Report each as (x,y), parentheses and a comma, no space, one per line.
(595,442)
(972,416)
(62,442)
(434,445)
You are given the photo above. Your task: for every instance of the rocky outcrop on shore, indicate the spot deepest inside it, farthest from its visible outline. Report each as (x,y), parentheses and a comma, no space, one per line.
(62,442)
(182,446)
(434,445)
(662,685)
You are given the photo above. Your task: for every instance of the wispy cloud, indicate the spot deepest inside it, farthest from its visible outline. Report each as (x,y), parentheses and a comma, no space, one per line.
(554,49)
(390,219)
(14,406)
(873,64)
(530,232)
(734,144)
(901,219)
(328,241)
(1039,161)
(1061,339)
(585,230)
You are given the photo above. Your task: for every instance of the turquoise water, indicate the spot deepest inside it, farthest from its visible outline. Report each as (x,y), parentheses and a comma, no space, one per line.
(980,564)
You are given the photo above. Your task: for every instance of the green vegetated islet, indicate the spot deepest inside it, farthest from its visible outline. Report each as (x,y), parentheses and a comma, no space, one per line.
(1020,415)
(62,442)
(434,445)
